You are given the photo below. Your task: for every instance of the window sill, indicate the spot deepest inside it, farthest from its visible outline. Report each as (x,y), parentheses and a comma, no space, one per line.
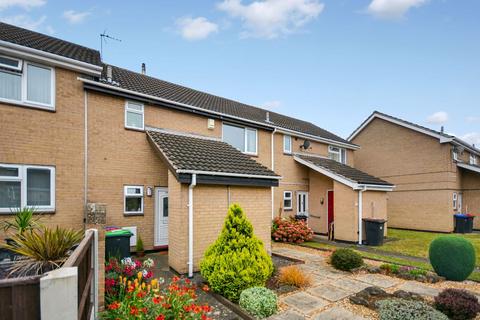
(27,105)
(133,214)
(287,153)
(134,129)
(287,210)
(36,213)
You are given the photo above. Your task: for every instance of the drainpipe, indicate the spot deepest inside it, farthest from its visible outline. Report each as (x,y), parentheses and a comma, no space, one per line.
(85,160)
(360,214)
(190,224)
(273,169)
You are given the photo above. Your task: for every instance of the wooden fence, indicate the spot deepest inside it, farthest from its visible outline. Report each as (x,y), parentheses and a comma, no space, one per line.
(20,298)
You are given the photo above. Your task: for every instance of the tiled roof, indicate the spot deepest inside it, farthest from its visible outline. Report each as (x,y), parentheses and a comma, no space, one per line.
(141,83)
(344,170)
(188,152)
(42,42)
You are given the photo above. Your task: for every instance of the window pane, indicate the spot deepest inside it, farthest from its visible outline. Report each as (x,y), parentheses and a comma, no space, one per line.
(38,187)
(165,207)
(344,156)
(287,144)
(10,194)
(134,190)
(10,86)
(39,84)
(134,120)
(8,172)
(133,204)
(334,156)
(251,141)
(234,136)
(135,106)
(287,203)
(9,62)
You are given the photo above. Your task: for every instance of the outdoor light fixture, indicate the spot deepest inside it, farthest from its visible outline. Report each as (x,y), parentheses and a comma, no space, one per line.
(149,191)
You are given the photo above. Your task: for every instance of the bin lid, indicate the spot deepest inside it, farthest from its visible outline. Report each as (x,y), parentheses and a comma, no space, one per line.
(460,215)
(375,220)
(118,233)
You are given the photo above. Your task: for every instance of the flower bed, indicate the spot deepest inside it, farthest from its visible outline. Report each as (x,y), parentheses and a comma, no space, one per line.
(406,272)
(131,292)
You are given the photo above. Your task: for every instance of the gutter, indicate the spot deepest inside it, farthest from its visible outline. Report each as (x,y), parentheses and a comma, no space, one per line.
(190,225)
(243,120)
(52,58)
(226,174)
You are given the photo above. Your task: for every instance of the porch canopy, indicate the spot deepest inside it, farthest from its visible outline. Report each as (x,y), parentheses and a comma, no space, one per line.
(469,167)
(209,159)
(354,178)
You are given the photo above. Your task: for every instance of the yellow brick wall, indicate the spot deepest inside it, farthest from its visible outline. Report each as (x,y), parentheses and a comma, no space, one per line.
(345,212)
(319,185)
(471,195)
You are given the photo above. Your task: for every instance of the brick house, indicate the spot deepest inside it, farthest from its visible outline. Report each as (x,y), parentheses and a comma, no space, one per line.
(165,160)
(436,174)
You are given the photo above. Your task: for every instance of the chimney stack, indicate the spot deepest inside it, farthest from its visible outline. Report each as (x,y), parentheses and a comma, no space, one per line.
(442,129)
(109,74)
(267,117)
(144,69)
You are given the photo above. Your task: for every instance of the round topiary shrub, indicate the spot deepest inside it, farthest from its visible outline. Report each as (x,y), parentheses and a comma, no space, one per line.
(259,302)
(400,309)
(346,259)
(237,260)
(457,304)
(452,257)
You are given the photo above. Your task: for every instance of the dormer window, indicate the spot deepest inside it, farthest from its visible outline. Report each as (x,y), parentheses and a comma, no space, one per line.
(27,83)
(338,154)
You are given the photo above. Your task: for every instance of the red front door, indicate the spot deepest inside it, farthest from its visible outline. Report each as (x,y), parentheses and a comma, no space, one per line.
(330,207)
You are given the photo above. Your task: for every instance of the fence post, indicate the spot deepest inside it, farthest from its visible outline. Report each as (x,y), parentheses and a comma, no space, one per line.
(99,267)
(95,266)
(59,294)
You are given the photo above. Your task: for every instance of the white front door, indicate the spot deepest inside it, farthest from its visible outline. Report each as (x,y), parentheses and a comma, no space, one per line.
(161,217)
(302,203)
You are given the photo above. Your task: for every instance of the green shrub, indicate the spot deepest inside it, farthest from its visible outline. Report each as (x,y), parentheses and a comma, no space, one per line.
(452,257)
(399,309)
(457,304)
(346,259)
(259,302)
(390,268)
(237,260)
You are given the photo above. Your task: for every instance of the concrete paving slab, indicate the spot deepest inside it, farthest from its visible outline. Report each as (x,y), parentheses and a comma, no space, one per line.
(329,292)
(377,280)
(350,285)
(304,302)
(330,273)
(287,315)
(337,313)
(419,288)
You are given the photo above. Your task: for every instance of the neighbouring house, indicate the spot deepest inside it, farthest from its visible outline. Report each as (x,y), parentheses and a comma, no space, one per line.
(436,174)
(163,160)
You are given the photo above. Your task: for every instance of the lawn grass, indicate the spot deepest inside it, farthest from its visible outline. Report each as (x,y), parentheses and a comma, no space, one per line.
(388,259)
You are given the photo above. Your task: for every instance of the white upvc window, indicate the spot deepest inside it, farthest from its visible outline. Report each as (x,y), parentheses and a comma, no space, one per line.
(27,83)
(287,144)
(455,154)
(455,201)
(133,199)
(27,186)
(287,200)
(242,138)
(337,154)
(134,115)
(473,159)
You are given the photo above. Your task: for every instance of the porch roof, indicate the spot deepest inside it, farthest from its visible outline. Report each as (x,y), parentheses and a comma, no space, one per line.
(342,173)
(470,167)
(213,161)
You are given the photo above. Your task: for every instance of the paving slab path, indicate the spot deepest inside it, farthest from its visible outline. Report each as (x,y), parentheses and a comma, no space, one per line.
(327,297)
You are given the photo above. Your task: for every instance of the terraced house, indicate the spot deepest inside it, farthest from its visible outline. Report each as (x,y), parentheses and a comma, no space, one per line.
(164,160)
(436,174)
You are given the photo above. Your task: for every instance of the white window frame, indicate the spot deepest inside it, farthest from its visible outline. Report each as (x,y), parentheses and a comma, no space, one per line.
(455,201)
(18,68)
(459,202)
(473,159)
(302,213)
(455,155)
(127,110)
(22,178)
(23,68)
(285,198)
(245,139)
(285,138)
(342,153)
(126,195)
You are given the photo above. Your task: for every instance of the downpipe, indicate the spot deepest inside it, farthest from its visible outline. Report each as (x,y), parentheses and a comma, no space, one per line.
(190,224)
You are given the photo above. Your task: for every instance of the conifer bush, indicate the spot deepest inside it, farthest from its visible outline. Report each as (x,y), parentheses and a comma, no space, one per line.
(452,257)
(237,260)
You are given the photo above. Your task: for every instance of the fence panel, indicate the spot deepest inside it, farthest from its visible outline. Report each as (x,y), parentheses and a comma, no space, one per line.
(20,298)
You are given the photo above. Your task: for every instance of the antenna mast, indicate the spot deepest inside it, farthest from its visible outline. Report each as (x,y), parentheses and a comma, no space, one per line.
(103,38)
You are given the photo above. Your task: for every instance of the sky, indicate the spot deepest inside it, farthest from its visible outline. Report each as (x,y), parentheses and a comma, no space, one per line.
(330,62)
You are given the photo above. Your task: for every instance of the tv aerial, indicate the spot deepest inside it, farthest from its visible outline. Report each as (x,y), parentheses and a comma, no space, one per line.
(104,37)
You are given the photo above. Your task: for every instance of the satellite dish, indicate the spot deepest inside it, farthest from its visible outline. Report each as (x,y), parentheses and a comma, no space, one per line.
(306,144)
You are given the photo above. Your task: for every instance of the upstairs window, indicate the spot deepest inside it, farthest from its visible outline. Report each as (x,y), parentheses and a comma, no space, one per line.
(133,198)
(287,144)
(337,154)
(244,139)
(26,83)
(27,186)
(473,159)
(134,115)
(455,154)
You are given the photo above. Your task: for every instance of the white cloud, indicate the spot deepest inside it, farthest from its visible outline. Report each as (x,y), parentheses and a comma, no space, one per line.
(25,21)
(25,4)
(272,18)
(439,117)
(271,105)
(75,17)
(392,9)
(196,28)
(472,138)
